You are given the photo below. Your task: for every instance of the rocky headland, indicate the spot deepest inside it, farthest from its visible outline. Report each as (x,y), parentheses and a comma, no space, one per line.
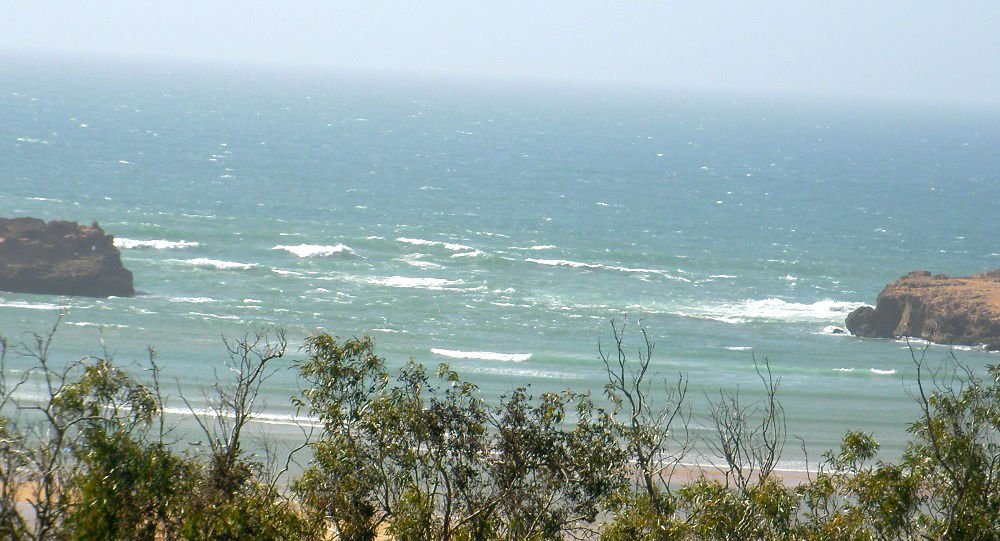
(936,308)
(61,258)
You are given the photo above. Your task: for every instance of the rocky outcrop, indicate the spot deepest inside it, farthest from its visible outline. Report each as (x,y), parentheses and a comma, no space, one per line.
(936,308)
(60,258)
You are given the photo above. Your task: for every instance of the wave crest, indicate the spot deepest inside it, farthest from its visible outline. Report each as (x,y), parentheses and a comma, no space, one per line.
(579,265)
(218,264)
(772,309)
(446,245)
(437,284)
(157,244)
(482,355)
(315,250)
(30,305)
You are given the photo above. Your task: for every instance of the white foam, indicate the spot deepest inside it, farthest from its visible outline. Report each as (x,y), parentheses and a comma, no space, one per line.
(251,301)
(579,265)
(772,309)
(437,284)
(30,305)
(473,253)
(535,247)
(102,325)
(415,261)
(156,244)
(315,250)
(723,276)
(417,242)
(833,330)
(521,373)
(847,370)
(482,355)
(195,300)
(219,264)
(739,348)
(214,316)
(564,263)
(260,418)
(881,372)
(446,245)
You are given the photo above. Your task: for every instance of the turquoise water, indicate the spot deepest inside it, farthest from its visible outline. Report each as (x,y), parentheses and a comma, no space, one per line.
(501,228)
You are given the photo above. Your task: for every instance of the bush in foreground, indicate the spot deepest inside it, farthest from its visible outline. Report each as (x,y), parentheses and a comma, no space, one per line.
(417,454)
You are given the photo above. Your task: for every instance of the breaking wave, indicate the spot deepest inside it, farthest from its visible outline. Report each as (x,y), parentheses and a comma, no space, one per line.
(579,265)
(315,250)
(536,247)
(772,309)
(194,300)
(436,284)
(218,264)
(482,355)
(30,305)
(156,244)
(446,245)
(415,260)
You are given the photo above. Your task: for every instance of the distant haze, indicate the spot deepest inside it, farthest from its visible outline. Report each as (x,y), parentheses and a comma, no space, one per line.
(948,51)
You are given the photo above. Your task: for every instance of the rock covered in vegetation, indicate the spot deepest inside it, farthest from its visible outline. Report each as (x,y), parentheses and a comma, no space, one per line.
(936,308)
(61,258)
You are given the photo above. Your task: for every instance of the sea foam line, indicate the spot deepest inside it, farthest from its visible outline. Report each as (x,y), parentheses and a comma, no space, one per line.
(217,263)
(437,284)
(261,418)
(156,244)
(482,355)
(415,261)
(771,309)
(30,306)
(315,250)
(99,325)
(579,265)
(536,247)
(195,300)
(447,245)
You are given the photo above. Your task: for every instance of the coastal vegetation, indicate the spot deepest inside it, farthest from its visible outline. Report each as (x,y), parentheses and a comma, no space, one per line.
(416,453)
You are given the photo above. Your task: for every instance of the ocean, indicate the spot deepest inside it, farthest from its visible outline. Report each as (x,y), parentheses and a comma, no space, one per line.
(500,228)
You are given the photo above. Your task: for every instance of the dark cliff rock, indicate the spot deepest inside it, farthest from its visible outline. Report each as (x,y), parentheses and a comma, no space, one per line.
(936,308)
(60,258)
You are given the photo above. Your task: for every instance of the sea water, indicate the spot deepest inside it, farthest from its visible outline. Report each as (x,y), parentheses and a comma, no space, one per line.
(500,228)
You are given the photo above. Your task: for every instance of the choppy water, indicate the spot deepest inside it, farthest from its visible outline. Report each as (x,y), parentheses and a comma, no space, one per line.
(500,229)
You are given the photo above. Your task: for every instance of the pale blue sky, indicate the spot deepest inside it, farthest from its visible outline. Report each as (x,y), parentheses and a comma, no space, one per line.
(945,50)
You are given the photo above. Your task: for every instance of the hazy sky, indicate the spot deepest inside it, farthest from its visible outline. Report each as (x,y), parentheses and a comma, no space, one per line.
(907,49)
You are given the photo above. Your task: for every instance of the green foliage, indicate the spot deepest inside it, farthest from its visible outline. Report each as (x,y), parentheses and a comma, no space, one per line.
(425,455)
(417,455)
(639,519)
(256,513)
(956,452)
(91,461)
